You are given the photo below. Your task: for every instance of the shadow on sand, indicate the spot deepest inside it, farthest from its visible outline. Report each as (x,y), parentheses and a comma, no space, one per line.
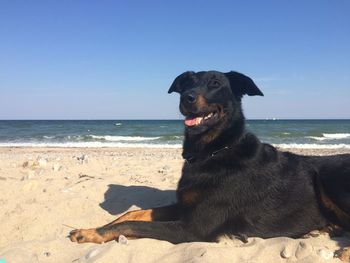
(119,198)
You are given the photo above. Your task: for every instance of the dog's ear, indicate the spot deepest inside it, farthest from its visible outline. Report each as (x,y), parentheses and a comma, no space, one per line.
(241,85)
(178,84)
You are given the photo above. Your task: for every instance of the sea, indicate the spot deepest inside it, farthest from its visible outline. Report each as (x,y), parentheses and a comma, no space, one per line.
(314,134)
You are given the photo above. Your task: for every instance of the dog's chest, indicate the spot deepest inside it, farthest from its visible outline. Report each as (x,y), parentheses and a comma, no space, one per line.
(195,182)
(189,192)
(189,197)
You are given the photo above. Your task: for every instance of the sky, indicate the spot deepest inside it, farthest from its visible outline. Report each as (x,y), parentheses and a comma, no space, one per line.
(87,59)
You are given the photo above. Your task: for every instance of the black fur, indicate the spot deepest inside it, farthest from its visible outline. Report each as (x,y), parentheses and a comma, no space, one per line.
(232,183)
(246,187)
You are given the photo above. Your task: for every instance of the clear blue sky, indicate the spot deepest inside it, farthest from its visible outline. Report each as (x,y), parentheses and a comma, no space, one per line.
(116,59)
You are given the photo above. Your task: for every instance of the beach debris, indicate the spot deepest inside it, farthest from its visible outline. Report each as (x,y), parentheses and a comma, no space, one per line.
(165,169)
(286,252)
(72,227)
(3,178)
(38,163)
(83,159)
(86,176)
(303,250)
(42,162)
(30,175)
(25,164)
(92,253)
(56,167)
(123,240)
(66,190)
(325,253)
(47,254)
(202,252)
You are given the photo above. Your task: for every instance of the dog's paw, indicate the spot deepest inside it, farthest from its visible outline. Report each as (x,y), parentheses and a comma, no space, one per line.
(85,235)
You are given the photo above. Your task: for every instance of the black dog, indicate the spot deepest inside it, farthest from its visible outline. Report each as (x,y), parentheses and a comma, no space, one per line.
(231,182)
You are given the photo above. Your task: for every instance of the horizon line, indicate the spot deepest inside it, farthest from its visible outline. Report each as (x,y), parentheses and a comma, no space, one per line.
(158,119)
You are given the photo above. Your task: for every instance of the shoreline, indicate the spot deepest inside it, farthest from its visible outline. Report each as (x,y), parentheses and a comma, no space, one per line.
(302,151)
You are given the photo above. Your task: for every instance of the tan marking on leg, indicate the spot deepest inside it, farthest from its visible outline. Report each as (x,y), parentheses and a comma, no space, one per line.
(164,213)
(138,215)
(90,235)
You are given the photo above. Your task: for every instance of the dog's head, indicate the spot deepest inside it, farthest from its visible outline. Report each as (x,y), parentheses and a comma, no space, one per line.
(211,99)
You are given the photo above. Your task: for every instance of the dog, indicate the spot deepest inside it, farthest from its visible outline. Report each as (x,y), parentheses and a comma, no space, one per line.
(233,184)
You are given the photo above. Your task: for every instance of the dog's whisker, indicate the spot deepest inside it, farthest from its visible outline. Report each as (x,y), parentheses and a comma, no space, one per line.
(69,226)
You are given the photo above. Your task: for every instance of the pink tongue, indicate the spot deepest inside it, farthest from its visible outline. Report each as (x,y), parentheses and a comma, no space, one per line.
(190,122)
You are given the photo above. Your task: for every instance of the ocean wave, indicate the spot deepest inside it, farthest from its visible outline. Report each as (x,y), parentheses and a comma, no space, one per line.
(151,145)
(48,137)
(330,136)
(336,135)
(118,124)
(89,145)
(112,138)
(317,138)
(313,146)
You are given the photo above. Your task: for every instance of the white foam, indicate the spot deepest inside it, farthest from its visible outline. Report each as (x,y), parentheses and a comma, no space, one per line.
(336,135)
(147,145)
(318,138)
(313,146)
(90,145)
(48,137)
(330,136)
(112,138)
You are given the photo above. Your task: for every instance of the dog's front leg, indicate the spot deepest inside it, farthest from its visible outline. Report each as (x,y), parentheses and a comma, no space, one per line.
(172,231)
(165,213)
(200,227)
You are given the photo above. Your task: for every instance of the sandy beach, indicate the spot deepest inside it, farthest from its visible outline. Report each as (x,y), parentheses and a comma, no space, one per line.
(45,192)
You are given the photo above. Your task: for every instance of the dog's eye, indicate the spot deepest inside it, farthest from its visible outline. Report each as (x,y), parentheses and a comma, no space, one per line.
(214,84)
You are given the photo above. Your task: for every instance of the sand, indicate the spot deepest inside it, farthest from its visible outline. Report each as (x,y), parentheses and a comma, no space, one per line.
(45,192)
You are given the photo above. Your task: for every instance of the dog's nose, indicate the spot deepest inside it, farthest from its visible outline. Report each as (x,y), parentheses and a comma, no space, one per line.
(190,98)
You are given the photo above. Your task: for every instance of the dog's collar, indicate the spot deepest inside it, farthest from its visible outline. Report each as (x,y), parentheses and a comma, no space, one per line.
(193,157)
